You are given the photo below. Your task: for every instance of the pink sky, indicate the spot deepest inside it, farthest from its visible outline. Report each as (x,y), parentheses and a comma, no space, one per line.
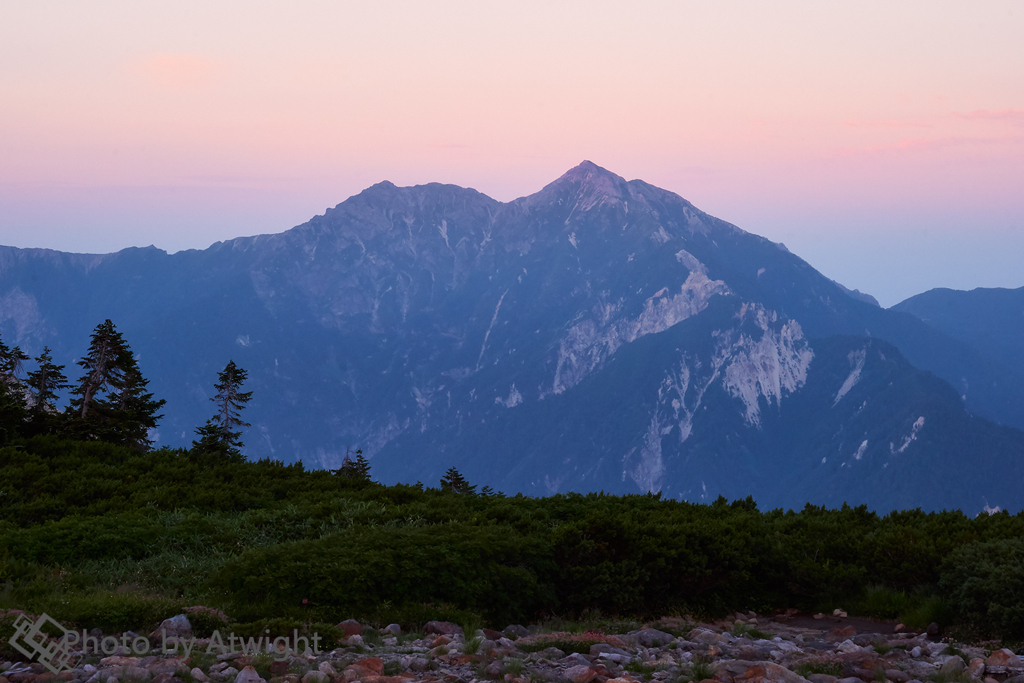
(883,142)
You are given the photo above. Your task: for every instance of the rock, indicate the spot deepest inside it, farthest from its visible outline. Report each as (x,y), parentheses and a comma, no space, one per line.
(650,637)
(199,676)
(177,626)
(865,639)
(579,674)
(516,630)
(822,678)
(976,667)
(136,674)
(493,670)
(953,665)
(229,672)
(843,633)
(1000,659)
(278,667)
(847,646)
(249,675)
(351,627)
(393,629)
(325,667)
(750,653)
(896,676)
(355,641)
(419,664)
(838,613)
(314,676)
(899,628)
(770,673)
(162,666)
(363,668)
(933,629)
(440,640)
(446,628)
(706,637)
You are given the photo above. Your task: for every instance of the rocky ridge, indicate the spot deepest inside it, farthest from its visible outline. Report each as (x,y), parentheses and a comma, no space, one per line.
(747,648)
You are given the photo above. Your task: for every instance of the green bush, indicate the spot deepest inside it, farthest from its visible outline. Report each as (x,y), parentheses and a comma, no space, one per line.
(984,582)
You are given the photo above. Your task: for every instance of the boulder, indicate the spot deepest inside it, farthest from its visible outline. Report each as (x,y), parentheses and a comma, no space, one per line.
(767,672)
(1000,659)
(137,674)
(249,675)
(446,628)
(953,665)
(393,629)
(516,630)
(351,627)
(199,676)
(314,676)
(177,626)
(976,667)
(579,674)
(650,637)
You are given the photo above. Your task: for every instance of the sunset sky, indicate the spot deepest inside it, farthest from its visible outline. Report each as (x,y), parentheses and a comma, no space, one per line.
(883,142)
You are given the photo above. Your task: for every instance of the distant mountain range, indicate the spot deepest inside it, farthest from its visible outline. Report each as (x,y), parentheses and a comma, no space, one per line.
(597,335)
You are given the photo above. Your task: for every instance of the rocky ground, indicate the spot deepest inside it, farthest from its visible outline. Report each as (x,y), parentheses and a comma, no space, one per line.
(745,649)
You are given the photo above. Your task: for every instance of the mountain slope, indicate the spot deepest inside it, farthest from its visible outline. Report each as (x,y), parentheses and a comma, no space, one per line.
(990,320)
(599,334)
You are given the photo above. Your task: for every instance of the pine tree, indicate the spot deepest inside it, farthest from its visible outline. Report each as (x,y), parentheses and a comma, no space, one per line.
(454,481)
(357,470)
(112,403)
(13,408)
(134,412)
(221,433)
(104,371)
(44,383)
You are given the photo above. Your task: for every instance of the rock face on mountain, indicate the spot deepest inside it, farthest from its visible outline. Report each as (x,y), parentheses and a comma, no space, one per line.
(599,334)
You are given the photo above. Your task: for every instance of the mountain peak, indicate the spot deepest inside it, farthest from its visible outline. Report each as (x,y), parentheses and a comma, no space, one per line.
(587,179)
(589,174)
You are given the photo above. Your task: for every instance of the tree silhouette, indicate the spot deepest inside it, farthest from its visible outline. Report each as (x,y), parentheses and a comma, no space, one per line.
(44,383)
(455,482)
(222,432)
(357,470)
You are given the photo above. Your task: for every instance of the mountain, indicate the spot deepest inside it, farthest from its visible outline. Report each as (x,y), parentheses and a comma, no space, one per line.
(599,334)
(989,320)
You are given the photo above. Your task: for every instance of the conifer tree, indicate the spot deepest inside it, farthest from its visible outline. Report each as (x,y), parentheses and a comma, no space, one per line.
(221,433)
(455,482)
(112,403)
(44,383)
(134,408)
(104,370)
(12,392)
(356,470)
